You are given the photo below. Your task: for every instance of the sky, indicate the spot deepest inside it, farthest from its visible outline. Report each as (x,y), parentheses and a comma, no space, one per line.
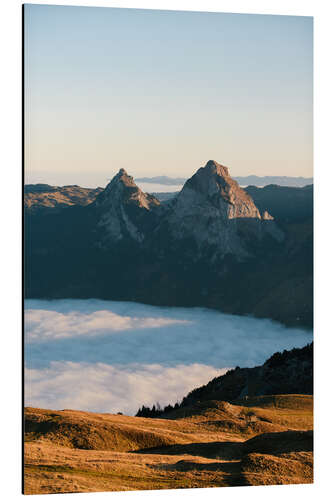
(161,93)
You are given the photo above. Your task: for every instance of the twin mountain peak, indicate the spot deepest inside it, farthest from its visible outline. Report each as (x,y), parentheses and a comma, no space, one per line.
(212,210)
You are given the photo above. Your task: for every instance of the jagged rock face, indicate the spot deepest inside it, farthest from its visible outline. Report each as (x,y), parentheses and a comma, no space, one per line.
(211,210)
(124,210)
(215,211)
(213,185)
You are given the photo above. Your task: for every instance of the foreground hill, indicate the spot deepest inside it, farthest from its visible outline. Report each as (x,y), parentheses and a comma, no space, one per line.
(204,442)
(263,441)
(289,372)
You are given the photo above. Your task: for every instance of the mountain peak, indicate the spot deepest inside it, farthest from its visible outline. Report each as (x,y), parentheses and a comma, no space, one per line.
(214,167)
(214,184)
(214,210)
(125,209)
(123,189)
(123,177)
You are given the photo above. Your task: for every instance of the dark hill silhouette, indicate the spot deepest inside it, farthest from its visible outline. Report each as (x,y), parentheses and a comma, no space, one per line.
(287,372)
(286,204)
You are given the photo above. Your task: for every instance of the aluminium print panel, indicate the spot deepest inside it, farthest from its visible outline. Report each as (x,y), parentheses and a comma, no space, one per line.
(168,225)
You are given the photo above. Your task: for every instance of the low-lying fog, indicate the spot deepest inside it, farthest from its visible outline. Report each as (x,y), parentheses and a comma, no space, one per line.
(152,187)
(115,356)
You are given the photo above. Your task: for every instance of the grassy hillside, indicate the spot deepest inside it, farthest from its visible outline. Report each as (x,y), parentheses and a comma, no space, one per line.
(263,440)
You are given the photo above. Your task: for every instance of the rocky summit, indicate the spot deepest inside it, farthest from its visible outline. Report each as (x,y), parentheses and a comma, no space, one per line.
(124,210)
(216,212)
(213,185)
(212,212)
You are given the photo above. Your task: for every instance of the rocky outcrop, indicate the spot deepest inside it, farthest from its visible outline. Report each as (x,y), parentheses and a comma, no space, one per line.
(212,186)
(211,211)
(214,211)
(124,211)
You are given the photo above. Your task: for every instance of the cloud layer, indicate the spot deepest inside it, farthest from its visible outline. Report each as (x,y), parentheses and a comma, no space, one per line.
(106,388)
(115,356)
(43,325)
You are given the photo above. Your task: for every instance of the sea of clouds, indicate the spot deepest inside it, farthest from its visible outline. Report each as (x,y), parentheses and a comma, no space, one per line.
(115,356)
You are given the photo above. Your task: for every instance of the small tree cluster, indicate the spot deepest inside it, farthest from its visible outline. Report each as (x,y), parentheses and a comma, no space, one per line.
(155,411)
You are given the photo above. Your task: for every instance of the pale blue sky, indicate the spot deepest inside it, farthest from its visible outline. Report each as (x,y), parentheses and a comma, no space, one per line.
(161,92)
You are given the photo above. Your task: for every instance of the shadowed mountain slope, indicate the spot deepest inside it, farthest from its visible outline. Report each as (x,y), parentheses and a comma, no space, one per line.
(211,245)
(286,204)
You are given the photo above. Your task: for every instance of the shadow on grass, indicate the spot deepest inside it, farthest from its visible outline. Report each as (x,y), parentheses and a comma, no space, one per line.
(223,450)
(227,473)
(275,443)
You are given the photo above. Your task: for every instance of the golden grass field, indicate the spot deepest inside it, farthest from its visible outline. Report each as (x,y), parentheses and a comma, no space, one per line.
(264,440)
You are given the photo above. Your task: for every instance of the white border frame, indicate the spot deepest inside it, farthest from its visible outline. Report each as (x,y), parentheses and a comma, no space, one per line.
(10,260)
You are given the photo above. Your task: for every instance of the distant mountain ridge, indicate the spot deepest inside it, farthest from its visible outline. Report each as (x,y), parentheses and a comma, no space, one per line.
(162,179)
(45,197)
(284,202)
(247,180)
